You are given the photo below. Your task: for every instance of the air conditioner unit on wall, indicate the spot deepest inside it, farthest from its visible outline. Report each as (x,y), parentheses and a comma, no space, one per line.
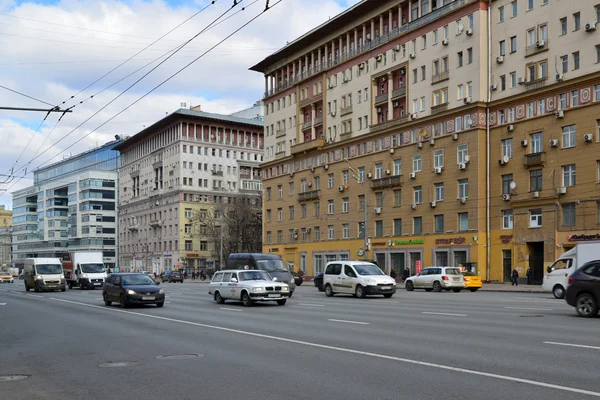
(588,138)
(590,26)
(506,197)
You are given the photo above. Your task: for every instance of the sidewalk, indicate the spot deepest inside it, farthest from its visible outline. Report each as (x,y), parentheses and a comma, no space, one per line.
(507,287)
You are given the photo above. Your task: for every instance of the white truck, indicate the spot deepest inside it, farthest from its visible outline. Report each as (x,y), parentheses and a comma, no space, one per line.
(43,274)
(557,274)
(85,270)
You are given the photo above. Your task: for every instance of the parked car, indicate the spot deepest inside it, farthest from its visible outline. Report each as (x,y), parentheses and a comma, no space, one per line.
(132,288)
(472,281)
(247,286)
(436,279)
(6,277)
(172,277)
(583,291)
(359,278)
(318,280)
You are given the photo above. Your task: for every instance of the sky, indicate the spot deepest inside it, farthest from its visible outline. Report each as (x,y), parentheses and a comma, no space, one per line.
(57,51)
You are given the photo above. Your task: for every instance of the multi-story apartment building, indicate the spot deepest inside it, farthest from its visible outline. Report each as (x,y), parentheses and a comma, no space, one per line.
(72,206)
(403,109)
(6,247)
(178,168)
(5,217)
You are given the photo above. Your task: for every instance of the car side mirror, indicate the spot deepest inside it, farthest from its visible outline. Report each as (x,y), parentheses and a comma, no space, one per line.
(550,269)
(275,279)
(234,280)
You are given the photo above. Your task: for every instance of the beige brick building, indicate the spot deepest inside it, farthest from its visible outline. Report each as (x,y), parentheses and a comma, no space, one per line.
(467,129)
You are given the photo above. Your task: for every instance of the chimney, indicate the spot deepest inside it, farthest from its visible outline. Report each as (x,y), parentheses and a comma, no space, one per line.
(195,108)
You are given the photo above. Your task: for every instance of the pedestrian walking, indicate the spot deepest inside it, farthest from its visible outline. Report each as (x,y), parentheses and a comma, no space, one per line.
(515,278)
(528,274)
(393,273)
(405,274)
(193,276)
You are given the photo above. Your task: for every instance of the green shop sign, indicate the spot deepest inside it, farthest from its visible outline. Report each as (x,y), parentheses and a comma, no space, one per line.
(414,241)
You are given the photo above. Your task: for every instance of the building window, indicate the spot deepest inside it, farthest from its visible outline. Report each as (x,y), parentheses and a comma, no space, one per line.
(501,117)
(291,209)
(463,222)
(506,181)
(378,171)
(568,136)
(536,142)
(361,202)
(346,230)
(397,167)
(317,208)
(569,214)
(439,191)
(513,80)
(397,197)
(417,163)
(502,47)
(530,109)
(460,59)
(463,188)
(542,106)
(291,188)
(529,5)
(502,82)
(569,175)
(397,227)
(317,230)
(418,194)
(379,199)
(439,223)
(378,228)
(514,8)
(317,182)
(330,181)
(563,26)
(564,62)
(330,232)
(280,214)
(417,225)
(303,210)
(576,21)
(346,204)
(535,180)
(597,54)
(535,218)
(513,44)
(500,14)
(280,191)
(438,158)
(575,61)
(330,206)
(507,219)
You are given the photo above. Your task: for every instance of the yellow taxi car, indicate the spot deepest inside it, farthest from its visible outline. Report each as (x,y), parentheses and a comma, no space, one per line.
(472,281)
(6,277)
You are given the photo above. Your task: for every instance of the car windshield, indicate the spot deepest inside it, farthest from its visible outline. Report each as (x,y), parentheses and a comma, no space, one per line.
(453,271)
(254,276)
(368,269)
(95,268)
(466,273)
(48,269)
(271,265)
(141,279)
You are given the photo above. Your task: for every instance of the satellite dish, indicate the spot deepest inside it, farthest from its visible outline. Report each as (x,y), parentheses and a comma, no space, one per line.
(467,158)
(513,185)
(505,159)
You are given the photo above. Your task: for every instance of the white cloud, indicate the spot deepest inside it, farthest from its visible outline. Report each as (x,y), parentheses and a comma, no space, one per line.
(37,60)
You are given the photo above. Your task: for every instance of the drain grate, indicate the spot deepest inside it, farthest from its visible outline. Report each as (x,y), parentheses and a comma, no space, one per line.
(117,364)
(8,378)
(179,356)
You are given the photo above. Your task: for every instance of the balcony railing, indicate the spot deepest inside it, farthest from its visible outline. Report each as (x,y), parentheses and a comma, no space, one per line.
(318,121)
(346,134)
(400,92)
(308,146)
(391,123)
(156,223)
(439,108)
(217,173)
(280,133)
(534,159)
(345,110)
(368,46)
(442,76)
(307,196)
(387,182)
(537,48)
(382,98)
(307,124)
(535,84)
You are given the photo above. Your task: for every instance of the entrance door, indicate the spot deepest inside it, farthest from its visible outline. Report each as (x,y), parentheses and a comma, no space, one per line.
(536,262)
(507,264)
(460,257)
(414,257)
(380,257)
(398,263)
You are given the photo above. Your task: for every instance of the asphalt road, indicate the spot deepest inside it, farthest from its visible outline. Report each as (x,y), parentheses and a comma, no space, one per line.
(413,346)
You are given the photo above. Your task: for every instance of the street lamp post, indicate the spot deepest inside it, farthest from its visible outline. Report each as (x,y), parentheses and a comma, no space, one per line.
(358,179)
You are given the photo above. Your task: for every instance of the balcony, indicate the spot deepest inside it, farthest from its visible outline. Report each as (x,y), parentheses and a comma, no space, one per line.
(133,227)
(156,223)
(535,84)
(308,146)
(311,100)
(537,48)
(400,92)
(442,76)
(280,133)
(439,108)
(306,125)
(368,46)
(217,173)
(391,123)
(279,155)
(308,196)
(345,110)
(318,121)
(346,134)
(387,182)
(382,98)
(534,159)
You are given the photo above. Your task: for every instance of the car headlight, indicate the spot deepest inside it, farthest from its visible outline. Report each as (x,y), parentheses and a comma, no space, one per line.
(129,291)
(370,281)
(39,278)
(258,289)
(161,291)
(285,288)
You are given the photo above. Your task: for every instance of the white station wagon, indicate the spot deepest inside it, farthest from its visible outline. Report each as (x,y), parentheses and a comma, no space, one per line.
(247,286)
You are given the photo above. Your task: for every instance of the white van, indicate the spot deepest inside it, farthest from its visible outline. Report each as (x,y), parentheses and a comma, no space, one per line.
(557,275)
(43,274)
(359,278)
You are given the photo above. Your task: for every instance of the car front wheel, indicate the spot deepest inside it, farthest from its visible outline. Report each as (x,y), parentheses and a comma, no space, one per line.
(360,292)
(586,305)
(122,301)
(558,292)
(246,300)
(409,286)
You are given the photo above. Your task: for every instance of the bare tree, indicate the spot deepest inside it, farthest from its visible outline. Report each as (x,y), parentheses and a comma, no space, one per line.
(241,222)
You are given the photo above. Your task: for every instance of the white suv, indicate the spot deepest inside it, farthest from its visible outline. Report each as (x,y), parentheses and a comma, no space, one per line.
(359,278)
(436,279)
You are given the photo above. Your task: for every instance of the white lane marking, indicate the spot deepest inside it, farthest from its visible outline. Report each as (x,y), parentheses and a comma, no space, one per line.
(12,291)
(348,322)
(35,295)
(2,304)
(311,305)
(230,309)
(441,313)
(168,302)
(574,345)
(345,350)
(529,308)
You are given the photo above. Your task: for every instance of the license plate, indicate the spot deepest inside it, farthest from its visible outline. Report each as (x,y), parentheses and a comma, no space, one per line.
(386,287)
(455,279)
(148,298)
(274,295)
(97,284)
